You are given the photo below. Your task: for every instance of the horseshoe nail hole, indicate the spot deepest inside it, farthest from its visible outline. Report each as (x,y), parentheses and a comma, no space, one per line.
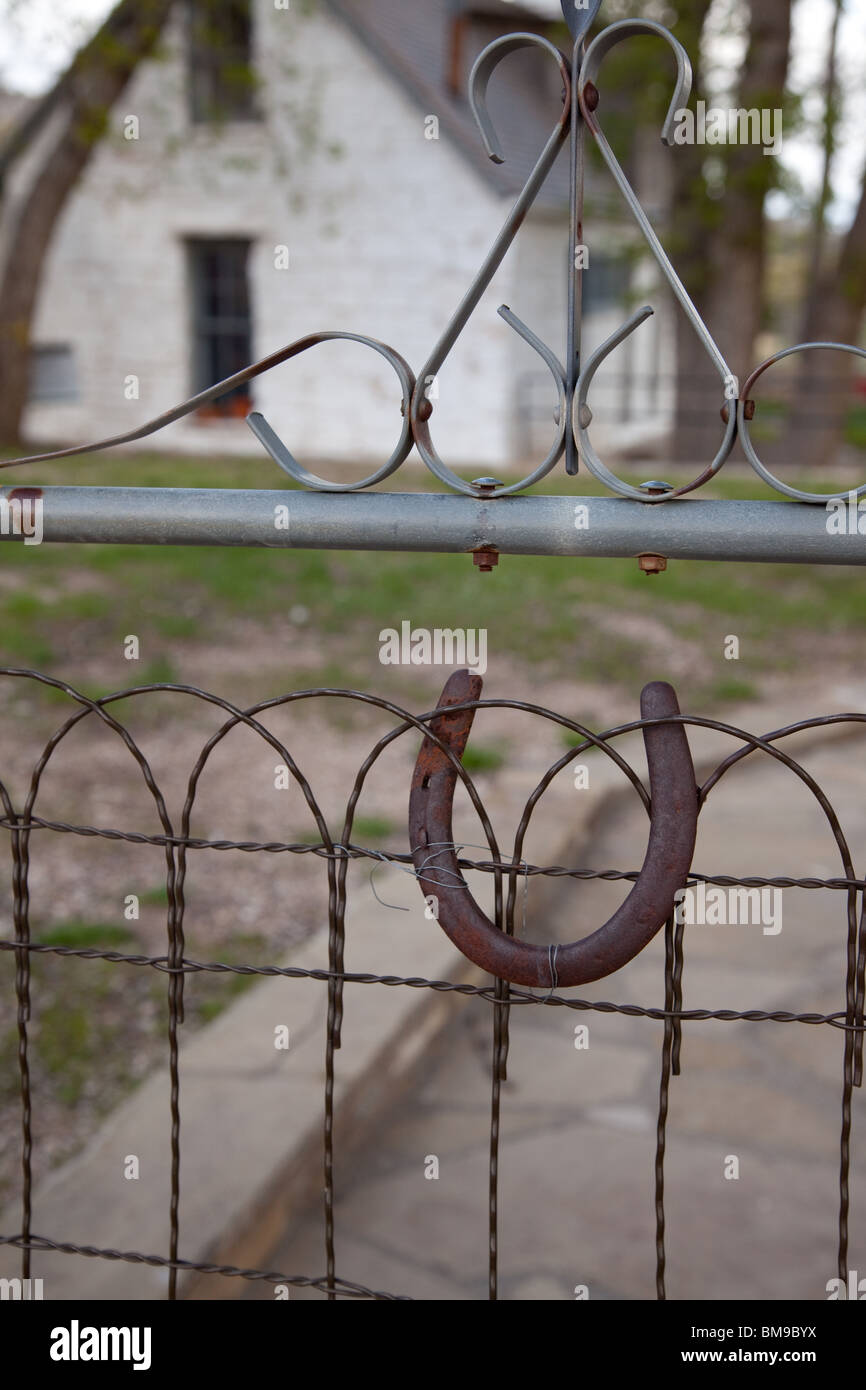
(426,782)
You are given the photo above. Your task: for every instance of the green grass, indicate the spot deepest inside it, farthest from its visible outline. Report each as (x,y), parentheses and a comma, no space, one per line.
(207,995)
(83,934)
(774,413)
(154,897)
(365,830)
(65,1046)
(159,671)
(480,757)
(369,829)
(90,1017)
(733,691)
(855,429)
(569,739)
(535,609)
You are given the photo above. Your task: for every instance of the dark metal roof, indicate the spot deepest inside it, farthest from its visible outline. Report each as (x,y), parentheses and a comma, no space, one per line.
(412,39)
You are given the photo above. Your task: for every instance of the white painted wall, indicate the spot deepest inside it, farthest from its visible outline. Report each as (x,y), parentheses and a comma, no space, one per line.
(383,237)
(385,230)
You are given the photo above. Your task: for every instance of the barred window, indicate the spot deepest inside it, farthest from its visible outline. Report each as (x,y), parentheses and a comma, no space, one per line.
(52,373)
(221,318)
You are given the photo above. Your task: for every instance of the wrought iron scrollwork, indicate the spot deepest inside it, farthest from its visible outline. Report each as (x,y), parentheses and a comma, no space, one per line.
(577,117)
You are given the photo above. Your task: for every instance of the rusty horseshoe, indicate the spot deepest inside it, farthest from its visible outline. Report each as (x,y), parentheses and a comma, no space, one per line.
(673,828)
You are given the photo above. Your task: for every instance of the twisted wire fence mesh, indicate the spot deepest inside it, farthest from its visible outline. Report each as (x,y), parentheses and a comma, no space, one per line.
(511,874)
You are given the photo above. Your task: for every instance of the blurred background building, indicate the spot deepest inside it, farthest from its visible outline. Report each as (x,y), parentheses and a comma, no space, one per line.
(326,172)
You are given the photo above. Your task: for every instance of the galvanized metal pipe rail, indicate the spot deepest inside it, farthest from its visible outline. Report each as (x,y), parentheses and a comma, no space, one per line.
(685,529)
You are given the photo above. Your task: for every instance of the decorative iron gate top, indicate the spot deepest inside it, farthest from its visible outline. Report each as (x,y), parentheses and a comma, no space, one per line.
(578,116)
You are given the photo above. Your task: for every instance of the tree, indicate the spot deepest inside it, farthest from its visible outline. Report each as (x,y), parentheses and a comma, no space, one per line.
(822,395)
(688,249)
(834,306)
(738,254)
(71,120)
(830,124)
(637,91)
(716,235)
(726,271)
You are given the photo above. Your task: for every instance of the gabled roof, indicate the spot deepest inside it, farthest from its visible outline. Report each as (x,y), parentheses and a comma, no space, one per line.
(416,42)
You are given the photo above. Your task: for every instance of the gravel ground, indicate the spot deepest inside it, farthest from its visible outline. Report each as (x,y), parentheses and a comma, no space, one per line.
(97,1028)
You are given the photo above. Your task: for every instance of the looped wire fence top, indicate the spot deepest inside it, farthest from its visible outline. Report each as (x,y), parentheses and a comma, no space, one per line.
(582,100)
(511,872)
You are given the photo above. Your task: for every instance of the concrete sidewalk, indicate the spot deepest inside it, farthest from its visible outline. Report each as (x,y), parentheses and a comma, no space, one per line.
(579,1126)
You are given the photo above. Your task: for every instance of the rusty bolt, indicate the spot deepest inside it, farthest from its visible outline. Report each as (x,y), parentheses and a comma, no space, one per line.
(23,493)
(425,409)
(656,489)
(485,558)
(590,96)
(652,564)
(486,485)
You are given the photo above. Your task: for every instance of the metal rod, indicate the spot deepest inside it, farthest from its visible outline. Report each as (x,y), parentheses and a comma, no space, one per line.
(688,529)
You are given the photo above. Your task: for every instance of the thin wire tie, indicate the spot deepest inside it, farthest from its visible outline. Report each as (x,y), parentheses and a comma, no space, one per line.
(552,952)
(440,847)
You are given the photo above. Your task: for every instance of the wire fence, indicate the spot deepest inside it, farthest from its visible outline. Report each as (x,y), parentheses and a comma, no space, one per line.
(511,874)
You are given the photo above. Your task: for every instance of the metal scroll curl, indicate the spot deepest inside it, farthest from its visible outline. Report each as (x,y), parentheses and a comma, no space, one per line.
(745,412)
(577,117)
(482,71)
(738,410)
(257,422)
(589,100)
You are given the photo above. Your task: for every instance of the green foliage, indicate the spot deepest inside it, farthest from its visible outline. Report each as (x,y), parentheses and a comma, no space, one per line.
(154,897)
(208,994)
(569,738)
(97,1027)
(855,429)
(559,614)
(730,690)
(84,934)
(65,1048)
(480,757)
(369,829)
(159,671)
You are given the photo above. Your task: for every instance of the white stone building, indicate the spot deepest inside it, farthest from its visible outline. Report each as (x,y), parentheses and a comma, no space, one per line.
(318,200)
